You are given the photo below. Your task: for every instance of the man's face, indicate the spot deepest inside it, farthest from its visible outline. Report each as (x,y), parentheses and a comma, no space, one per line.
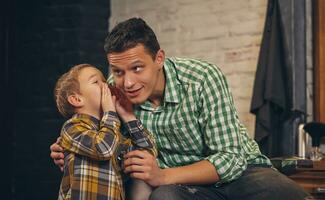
(90,80)
(137,74)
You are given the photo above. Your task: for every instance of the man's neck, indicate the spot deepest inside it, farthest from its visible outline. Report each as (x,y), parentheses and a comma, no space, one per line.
(158,94)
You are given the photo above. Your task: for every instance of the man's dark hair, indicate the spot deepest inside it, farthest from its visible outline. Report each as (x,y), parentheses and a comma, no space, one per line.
(127,34)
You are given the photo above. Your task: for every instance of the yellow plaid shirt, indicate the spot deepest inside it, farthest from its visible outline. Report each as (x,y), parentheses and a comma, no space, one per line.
(93,154)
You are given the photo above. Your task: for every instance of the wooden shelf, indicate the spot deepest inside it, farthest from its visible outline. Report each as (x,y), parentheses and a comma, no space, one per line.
(312,179)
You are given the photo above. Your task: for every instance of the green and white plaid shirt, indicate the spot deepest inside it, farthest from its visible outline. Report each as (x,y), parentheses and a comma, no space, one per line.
(197,121)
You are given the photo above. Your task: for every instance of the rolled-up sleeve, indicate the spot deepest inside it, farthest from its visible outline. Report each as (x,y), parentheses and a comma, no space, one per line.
(221,127)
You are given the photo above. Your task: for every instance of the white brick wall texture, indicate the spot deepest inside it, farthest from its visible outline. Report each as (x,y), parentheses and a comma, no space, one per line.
(227,33)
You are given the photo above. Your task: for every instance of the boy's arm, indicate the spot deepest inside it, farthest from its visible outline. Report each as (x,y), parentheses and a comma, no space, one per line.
(77,137)
(141,137)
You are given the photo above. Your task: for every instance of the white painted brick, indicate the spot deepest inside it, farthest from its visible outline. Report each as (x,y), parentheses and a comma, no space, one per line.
(252,27)
(257,3)
(230,6)
(239,41)
(244,66)
(241,84)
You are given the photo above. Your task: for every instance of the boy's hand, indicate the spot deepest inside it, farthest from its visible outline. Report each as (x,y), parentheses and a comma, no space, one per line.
(108,101)
(124,109)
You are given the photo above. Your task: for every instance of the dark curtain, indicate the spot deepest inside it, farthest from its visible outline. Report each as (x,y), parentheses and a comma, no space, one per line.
(7,100)
(280,84)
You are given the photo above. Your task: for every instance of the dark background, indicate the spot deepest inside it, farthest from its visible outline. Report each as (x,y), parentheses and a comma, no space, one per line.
(40,40)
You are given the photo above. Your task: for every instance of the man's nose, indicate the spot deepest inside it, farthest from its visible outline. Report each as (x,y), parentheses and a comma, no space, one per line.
(128,81)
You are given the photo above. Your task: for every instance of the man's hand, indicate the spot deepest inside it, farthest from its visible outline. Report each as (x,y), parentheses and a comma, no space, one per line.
(57,154)
(142,165)
(124,108)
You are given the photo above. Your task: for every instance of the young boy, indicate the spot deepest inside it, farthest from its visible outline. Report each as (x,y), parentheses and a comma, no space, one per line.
(91,138)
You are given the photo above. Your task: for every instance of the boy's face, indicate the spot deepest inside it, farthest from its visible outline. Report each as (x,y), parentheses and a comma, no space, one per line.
(137,74)
(90,80)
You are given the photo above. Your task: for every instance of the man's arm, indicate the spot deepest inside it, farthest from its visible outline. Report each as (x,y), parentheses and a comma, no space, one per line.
(57,154)
(142,165)
(221,127)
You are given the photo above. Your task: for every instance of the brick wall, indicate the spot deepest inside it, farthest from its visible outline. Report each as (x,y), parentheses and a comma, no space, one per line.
(227,33)
(50,37)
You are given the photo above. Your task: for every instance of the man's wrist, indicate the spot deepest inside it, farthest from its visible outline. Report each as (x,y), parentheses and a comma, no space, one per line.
(165,179)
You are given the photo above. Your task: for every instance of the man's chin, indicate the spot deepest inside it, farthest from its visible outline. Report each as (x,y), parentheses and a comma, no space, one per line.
(136,101)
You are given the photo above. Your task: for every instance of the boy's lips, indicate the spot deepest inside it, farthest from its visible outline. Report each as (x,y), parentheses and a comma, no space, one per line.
(133,93)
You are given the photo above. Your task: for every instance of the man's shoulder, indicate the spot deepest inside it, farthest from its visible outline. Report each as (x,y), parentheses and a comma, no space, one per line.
(191,69)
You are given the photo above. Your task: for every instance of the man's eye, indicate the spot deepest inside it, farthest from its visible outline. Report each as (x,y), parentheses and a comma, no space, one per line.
(117,73)
(95,82)
(137,68)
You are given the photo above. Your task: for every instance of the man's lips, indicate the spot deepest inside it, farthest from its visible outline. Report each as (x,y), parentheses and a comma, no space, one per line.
(133,93)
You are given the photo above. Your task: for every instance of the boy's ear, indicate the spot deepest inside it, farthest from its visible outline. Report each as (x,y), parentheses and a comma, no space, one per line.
(75,100)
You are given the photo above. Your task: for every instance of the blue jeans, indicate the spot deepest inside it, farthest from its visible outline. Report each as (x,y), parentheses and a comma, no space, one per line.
(256,183)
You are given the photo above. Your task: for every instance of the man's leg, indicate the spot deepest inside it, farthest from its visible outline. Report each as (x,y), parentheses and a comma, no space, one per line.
(264,183)
(256,183)
(137,190)
(187,192)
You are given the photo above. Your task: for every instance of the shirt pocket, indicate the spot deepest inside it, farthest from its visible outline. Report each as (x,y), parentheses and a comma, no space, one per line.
(179,140)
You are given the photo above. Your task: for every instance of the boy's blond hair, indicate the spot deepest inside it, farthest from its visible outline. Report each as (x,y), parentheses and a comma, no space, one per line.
(68,84)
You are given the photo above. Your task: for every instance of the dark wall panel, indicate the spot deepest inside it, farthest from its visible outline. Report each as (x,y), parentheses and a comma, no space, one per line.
(49,37)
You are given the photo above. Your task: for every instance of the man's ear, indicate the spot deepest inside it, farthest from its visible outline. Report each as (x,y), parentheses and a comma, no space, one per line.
(160,58)
(75,100)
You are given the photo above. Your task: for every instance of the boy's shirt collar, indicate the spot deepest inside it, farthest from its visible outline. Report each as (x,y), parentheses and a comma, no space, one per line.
(88,119)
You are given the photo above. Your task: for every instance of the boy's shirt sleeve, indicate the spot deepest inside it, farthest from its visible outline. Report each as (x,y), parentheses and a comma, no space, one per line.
(79,137)
(141,138)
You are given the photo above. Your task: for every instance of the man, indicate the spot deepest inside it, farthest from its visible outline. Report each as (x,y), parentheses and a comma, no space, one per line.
(204,150)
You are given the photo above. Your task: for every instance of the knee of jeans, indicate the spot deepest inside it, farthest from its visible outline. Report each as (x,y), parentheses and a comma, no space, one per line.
(170,192)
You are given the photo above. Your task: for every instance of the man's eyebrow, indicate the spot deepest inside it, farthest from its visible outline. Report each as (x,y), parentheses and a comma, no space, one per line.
(137,62)
(112,66)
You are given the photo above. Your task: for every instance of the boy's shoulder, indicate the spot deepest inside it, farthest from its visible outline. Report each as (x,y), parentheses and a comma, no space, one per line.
(77,121)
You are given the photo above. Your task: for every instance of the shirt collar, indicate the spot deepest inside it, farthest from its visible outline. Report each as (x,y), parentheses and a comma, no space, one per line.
(88,119)
(172,86)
